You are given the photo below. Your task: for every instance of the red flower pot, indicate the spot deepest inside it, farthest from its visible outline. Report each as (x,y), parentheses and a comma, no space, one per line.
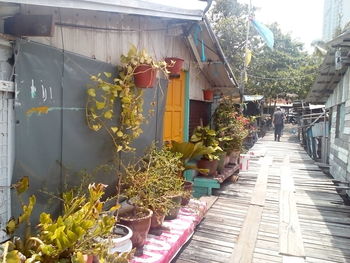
(210,165)
(139,226)
(144,76)
(176,68)
(208,95)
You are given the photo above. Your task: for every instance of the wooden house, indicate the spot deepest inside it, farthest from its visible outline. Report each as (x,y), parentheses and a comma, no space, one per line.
(57,44)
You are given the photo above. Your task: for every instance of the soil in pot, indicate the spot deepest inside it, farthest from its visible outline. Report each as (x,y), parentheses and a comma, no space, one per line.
(144,76)
(210,165)
(188,187)
(139,221)
(173,212)
(156,223)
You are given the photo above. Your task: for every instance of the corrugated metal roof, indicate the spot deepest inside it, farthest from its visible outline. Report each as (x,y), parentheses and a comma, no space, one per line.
(136,7)
(215,67)
(328,77)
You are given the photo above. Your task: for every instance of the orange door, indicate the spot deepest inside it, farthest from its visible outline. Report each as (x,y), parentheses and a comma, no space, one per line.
(174,110)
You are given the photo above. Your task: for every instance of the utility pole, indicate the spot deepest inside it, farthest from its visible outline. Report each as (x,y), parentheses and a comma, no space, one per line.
(244,71)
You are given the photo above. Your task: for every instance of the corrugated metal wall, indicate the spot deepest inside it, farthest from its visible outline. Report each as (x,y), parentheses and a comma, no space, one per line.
(160,37)
(6,137)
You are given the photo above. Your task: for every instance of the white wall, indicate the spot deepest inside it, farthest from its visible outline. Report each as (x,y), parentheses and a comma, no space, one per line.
(160,37)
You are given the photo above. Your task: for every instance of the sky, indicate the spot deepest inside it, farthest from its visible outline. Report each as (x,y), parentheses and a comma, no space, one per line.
(301,18)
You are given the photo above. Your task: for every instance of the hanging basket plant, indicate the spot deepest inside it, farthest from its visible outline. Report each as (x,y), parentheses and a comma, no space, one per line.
(143,67)
(174,66)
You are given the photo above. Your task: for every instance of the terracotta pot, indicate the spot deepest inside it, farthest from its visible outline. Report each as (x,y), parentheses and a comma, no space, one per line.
(221,163)
(208,95)
(157,219)
(172,214)
(139,226)
(188,187)
(176,68)
(211,165)
(144,76)
(227,160)
(234,157)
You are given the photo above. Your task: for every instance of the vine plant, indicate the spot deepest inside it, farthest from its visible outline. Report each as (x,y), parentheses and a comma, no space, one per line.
(104,95)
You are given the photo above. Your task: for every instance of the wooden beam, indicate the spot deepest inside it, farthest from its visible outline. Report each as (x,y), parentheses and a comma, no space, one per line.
(195,51)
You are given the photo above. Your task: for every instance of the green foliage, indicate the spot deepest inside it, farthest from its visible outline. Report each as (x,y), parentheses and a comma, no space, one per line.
(136,58)
(67,238)
(190,151)
(208,138)
(104,96)
(232,128)
(286,69)
(153,179)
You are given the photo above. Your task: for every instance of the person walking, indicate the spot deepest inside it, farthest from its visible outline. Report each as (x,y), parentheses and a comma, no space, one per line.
(277,120)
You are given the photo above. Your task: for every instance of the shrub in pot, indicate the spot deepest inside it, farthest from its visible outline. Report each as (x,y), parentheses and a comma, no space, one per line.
(208,138)
(153,181)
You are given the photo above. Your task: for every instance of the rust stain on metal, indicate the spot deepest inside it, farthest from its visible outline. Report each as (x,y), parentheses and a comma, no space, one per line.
(38,110)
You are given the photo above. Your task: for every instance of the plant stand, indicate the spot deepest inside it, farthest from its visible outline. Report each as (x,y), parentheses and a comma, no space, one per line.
(205,185)
(163,248)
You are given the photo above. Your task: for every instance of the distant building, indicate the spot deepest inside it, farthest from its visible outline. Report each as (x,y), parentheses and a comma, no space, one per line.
(336,14)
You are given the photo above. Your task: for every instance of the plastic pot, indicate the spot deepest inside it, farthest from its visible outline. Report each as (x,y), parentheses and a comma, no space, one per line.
(123,243)
(211,165)
(144,76)
(176,68)
(208,95)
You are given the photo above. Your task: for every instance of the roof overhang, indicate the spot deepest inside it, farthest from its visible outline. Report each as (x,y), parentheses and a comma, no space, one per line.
(136,7)
(214,65)
(328,76)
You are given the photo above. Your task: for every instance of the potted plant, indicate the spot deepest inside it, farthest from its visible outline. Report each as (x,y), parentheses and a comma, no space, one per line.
(174,66)
(143,67)
(189,152)
(69,238)
(231,127)
(208,137)
(152,183)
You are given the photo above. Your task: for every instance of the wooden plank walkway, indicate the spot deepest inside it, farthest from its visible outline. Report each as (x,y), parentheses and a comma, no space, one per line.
(284,209)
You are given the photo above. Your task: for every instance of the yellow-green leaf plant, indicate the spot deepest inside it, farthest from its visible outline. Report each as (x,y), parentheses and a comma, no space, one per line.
(108,95)
(67,238)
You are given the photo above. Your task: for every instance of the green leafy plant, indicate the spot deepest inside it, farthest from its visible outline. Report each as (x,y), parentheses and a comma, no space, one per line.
(153,179)
(67,238)
(190,151)
(107,95)
(208,138)
(135,58)
(231,126)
